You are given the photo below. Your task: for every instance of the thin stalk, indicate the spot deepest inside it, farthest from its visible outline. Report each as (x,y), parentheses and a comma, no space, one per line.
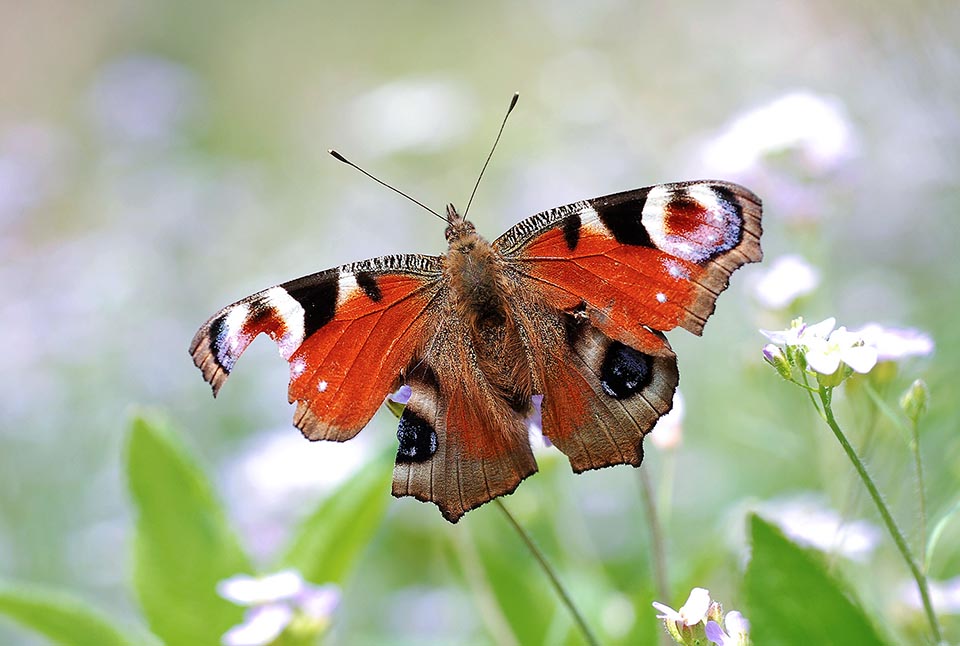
(895,533)
(658,553)
(548,570)
(918,463)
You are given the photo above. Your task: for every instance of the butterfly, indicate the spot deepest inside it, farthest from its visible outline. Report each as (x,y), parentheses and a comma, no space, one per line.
(570,304)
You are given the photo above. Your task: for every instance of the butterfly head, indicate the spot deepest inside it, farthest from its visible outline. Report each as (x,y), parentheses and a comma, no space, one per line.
(459,230)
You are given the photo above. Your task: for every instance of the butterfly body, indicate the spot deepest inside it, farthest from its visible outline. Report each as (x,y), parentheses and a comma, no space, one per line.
(569,304)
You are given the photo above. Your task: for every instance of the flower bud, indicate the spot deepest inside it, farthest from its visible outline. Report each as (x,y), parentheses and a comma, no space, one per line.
(773,355)
(914,401)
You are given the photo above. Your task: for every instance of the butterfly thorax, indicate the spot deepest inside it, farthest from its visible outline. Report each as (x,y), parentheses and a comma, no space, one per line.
(475,274)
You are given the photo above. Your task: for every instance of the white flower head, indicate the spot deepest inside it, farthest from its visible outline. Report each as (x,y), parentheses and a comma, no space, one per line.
(894,344)
(275,602)
(842,346)
(800,333)
(245,590)
(788,278)
(691,613)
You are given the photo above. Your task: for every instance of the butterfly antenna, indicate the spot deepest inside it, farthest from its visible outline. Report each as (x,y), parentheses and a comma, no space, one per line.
(513,103)
(346,161)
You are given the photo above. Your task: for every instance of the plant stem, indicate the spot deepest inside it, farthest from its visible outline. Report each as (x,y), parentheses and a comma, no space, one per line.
(561,591)
(918,463)
(918,575)
(657,551)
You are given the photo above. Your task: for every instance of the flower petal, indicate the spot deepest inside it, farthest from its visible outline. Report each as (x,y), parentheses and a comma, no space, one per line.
(666,612)
(247,590)
(695,609)
(716,635)
(820,330)
(822,360)
(319,602)
(261,626)
(862,358)
(736,623)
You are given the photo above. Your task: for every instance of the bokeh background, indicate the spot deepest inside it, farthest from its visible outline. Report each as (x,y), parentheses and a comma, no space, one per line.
(159,160)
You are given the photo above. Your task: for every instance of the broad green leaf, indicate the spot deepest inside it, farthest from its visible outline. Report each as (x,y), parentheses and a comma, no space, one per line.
(328,543)
(62,618)
(184,545)
(793,599)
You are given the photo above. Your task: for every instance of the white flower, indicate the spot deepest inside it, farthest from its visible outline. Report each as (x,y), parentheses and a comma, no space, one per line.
(788,278)
(668,432)
(799,333)
(261,625)
(806,520)
(274,602)
(842,346)
(734,632)
(893,344)
(245,590)
(691,613)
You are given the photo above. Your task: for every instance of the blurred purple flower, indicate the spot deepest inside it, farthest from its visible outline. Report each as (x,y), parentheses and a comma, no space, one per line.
(805,519)
(32,157)
(814,126)
(788,278)
(894,344)
(945,595)
(735,630)
(535,425)
(402,396)
(143,99)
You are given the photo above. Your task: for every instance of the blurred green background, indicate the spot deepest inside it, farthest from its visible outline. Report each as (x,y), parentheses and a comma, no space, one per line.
(159,160)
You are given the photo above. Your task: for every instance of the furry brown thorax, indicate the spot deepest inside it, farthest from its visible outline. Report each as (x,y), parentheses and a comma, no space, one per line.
(476,274)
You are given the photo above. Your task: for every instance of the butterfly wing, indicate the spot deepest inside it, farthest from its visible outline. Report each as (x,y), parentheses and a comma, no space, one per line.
(611,273)
(347,333)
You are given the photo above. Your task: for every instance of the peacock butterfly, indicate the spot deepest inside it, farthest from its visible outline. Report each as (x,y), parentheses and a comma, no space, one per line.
(570,304)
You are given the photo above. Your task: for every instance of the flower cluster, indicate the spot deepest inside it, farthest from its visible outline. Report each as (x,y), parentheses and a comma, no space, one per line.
(279,604)
(701,619)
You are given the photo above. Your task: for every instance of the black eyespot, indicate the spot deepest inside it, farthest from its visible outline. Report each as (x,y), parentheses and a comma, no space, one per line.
(625,371)
(318,299)
(418,440)
(623,220)
(571,230)
(368,283)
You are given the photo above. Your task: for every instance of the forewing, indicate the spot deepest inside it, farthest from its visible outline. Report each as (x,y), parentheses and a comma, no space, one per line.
(654,258)
(347,333)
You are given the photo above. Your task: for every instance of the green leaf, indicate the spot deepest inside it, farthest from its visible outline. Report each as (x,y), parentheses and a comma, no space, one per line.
(328,543)
(62,618)
(183,544)
(793,599)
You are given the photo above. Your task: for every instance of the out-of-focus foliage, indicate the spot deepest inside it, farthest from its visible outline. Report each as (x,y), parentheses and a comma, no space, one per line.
(159,160)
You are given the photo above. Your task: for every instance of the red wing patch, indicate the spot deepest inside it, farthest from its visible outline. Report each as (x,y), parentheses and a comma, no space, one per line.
(347,333)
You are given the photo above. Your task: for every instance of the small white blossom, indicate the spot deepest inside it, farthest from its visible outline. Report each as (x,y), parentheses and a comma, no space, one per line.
(261,625)
(788,278)
(692,612)
(799,333)
(275,601)
(842,346)
(894,344)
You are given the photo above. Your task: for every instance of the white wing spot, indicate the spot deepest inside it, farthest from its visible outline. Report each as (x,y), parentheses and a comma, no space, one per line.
(297,367)
(661,297)
(290,311)
(322,386)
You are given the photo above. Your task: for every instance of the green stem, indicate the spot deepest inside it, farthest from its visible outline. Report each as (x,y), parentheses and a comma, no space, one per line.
(918,463)
(561,591)
(918,575)
(657,551)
